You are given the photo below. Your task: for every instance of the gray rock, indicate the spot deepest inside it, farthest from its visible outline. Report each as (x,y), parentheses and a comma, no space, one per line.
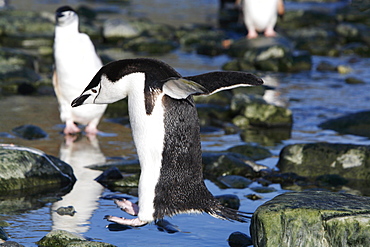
(68,239)
(254,111)
(235,181)
(149,45)
(30,132)
(354,81)
(70,210)
(252,151)
(229,200)
(11,244)
(220,164)
(267,54)
(3,235)
(316,159)
(354,124)
(119,28)
(239,239)
(23,168)
(312,218)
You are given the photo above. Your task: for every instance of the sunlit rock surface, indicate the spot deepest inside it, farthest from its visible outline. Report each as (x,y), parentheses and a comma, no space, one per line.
(312,218)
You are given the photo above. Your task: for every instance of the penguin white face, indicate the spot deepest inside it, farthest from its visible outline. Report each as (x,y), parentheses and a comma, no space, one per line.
(65,15)
(105,91)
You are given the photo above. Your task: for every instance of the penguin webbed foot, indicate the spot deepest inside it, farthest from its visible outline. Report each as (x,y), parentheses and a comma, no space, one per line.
(123,221)
(127,206)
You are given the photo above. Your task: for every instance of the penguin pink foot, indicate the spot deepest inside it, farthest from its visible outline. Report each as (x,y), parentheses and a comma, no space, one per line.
(71,128)
(270,32)
(126,222)
(127,206)
(252,34)
(91,130)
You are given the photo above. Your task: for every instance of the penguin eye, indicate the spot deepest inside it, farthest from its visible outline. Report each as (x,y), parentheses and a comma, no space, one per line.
(93,90)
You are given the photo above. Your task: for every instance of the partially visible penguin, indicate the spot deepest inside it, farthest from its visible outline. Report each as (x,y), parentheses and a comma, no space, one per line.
(76,62)
(166,133)
(261,16)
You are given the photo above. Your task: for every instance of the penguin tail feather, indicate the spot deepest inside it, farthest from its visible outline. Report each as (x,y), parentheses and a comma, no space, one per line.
(231,214)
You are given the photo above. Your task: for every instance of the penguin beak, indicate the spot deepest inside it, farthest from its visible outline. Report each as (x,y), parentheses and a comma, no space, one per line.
(80,100)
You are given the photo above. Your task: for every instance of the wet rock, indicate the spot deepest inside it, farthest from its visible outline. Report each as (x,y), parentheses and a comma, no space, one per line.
(263,189)
(267,54)
(149,45)
(112,173)
(125,184)
(126,181)
(221,164)
(11,244)
(252,151)
(312,218)
(3,235)
(16,23)
(24,168)
(68,239)
(285,178)
(266,136)
(229,200)
(326,66)
(204,40)
(123,165)
(317,159)
(235,181)
(354,81)
(70,210)
(29,132)
(253,197)
(254,111)
(17,68)
(239,239)
(353,124)
(213,114)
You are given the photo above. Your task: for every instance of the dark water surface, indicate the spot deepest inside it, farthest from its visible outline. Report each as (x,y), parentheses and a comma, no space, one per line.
(312,96)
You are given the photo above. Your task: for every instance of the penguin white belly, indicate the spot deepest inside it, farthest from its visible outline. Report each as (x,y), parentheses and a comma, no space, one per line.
(260,14)
(148,135)
(76,66)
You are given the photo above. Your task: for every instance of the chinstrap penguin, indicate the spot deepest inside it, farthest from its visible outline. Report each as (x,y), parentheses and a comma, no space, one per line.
(166,132)
(76,62)
(261,16)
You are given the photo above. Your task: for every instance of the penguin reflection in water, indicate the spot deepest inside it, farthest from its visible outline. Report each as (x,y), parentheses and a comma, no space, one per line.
(76,62)
(166,132)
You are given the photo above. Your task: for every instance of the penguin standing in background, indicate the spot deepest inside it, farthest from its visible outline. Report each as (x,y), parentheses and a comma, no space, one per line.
(166,132)
(261,16)
(76,62)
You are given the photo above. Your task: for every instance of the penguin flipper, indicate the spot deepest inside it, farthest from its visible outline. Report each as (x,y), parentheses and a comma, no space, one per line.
(181,88)
(214,82)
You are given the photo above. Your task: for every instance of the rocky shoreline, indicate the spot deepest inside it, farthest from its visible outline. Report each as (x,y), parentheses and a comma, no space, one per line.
(26,68)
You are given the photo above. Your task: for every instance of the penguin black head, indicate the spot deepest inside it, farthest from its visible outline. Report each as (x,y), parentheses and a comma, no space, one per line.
(116,80)
(65,15)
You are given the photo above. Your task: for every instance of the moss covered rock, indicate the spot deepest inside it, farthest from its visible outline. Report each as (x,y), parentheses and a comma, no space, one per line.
(316,159)
(23,168)
(312,218)
(61,238)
